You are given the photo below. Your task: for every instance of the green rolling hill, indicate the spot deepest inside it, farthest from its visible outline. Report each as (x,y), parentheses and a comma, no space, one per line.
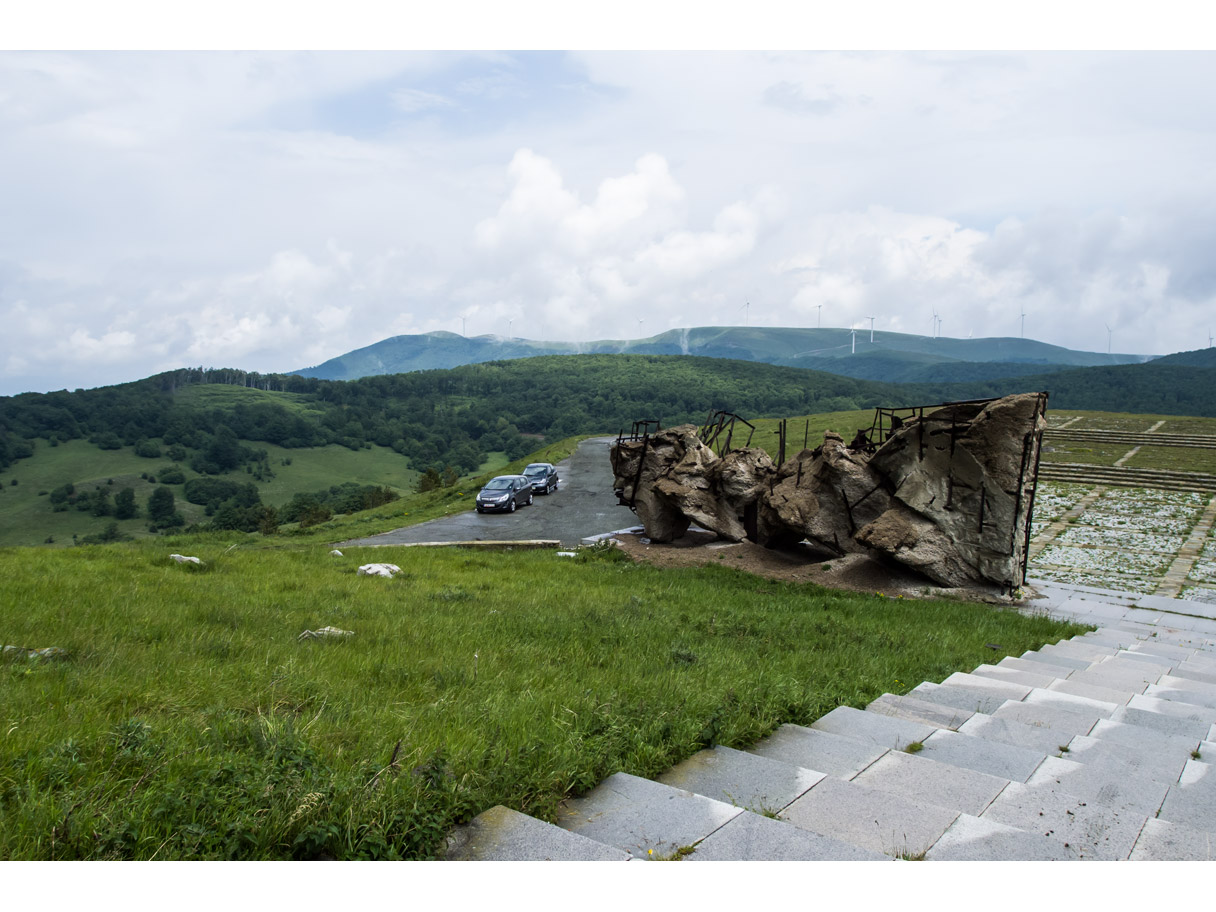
(890,357)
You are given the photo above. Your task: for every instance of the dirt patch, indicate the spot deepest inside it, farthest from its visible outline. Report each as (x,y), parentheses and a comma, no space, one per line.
(853,572)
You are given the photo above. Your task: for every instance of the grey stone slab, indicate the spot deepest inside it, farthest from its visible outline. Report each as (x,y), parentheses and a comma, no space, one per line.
(1085,652)
(884,731)
(1085,706)
(1101,785)
(1110,636)
(1010,690)
(1116,678)
(918,778)
(501,834)
(751,837)
(1191,673)
(836,755)
(1144,739)
(1036,667)
(979,839)
(874,820)
(1162,664)
(1207,751)
(1167,725)
(967,699)
(1192,801)
(1170,652)
(1042,741)
(1161,764)
(1094,831)
(644,818)
(1175,708)
(991,757)
(1056,661)
(742,779)
(907,707)
(1013,676)
(1161,840)
(1094,611)
(1094,692)
(1045,716)
(1181,695)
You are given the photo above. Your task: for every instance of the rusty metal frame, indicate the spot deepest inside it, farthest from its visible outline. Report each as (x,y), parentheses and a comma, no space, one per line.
(719,421)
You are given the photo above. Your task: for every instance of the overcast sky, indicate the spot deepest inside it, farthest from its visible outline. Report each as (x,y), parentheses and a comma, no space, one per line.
(269,211)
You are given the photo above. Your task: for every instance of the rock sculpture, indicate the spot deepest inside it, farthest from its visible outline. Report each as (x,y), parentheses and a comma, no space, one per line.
(947,492)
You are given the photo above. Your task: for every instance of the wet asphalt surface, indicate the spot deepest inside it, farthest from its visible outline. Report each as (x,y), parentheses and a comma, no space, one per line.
(583,505)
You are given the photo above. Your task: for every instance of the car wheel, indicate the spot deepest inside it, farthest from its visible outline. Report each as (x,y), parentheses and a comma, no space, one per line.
(511,508)
(480,510)
(529,503)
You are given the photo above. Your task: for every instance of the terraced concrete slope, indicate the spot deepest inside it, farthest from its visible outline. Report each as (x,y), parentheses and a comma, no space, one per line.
(1096,748)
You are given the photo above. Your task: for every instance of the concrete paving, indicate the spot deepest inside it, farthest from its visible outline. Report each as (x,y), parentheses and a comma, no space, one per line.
(1100,747)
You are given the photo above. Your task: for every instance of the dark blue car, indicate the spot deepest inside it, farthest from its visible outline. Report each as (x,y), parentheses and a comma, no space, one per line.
(543,477)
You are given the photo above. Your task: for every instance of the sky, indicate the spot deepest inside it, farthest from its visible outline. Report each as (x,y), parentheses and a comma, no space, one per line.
(269,210)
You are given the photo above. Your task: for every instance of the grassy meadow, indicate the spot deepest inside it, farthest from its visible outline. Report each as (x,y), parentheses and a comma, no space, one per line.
(188,721)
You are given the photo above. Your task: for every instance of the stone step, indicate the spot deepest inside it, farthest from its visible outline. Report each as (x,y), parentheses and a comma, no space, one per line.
(1086,829)
(1162,765)
(870,818)
(884,731)
(1035,738)
(1080,688)
(647,819)
(745,780)
(501,834)
(836,755)
(1116,789)
(1167,725)
(919,778)
(1056,660)
(751,837)
(968,699)
(961,749)
(1142,738)
(981,839)
(1161,840)
(1183,692)
(1177,709)
(1192,801)
(1063,721)
(1036,667)
(917,710)
(1013,676)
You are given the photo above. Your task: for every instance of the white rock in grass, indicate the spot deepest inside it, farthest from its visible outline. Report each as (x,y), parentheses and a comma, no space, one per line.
(385,570)
(182,559)
(325,633)
(335,553)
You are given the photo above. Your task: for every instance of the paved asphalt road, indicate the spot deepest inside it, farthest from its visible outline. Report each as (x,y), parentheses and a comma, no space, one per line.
(583,505)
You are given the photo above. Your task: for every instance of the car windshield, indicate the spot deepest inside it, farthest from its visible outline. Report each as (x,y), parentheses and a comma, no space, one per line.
(502,483)
(536,470)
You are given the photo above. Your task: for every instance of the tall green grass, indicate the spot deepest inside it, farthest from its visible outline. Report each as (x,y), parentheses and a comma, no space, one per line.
(190,722)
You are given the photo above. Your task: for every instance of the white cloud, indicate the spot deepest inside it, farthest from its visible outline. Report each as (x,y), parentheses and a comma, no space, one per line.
(273,210)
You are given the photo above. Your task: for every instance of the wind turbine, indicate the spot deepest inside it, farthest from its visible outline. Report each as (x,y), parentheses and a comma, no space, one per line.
(462,326)
(871,329)
(934,323)
(819,325)
(1107,325)
(1209,338)
(747,312)
(510,323)
(1023,322)
(854,332)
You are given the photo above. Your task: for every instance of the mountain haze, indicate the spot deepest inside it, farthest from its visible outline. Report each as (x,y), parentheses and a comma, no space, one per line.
(891,357)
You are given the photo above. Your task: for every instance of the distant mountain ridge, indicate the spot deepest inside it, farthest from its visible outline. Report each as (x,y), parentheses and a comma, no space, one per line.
(890,357)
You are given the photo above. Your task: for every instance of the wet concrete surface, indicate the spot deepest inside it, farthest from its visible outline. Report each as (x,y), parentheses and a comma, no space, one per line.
(583,505)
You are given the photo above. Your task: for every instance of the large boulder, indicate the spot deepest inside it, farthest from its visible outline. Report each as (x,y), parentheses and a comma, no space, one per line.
(947,494)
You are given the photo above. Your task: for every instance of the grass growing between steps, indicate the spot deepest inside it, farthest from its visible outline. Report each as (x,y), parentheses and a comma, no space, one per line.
(190,722)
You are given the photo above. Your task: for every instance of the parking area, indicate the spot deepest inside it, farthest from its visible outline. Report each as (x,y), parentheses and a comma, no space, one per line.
(582,506)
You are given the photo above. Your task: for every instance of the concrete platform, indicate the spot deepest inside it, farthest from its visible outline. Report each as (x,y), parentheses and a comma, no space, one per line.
(980,839)
(883,731)
(919,778)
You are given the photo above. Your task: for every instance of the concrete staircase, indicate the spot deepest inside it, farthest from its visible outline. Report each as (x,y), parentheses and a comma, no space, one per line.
(1099,747)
